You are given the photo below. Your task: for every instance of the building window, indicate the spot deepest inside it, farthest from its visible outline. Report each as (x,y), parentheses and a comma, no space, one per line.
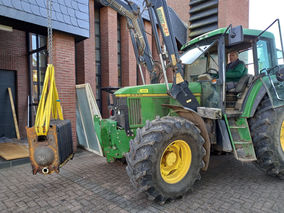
(119,50)
(98,58)
(38,58)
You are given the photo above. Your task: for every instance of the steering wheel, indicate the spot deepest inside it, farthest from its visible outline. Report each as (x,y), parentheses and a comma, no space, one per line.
(212,71)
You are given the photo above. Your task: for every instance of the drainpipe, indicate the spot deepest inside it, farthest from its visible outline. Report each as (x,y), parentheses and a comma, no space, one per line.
(30,79)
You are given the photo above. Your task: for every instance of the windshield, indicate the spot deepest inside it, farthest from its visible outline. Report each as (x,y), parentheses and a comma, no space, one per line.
(201,60)
(201,65)
(191,55)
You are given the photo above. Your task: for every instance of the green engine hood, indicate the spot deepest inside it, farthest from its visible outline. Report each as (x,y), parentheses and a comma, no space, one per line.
(151,89)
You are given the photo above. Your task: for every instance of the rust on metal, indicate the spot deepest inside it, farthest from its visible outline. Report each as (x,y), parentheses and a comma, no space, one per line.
(199,122)
(50,142)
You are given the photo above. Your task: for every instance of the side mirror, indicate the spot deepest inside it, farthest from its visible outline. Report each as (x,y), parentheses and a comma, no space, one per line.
(280,74)
(236,35)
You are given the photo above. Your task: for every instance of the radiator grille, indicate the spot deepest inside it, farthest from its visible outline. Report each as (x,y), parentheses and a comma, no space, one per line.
(64,138)
(134,111)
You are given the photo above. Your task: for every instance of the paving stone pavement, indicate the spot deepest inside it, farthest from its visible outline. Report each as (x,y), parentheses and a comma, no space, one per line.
(89,184)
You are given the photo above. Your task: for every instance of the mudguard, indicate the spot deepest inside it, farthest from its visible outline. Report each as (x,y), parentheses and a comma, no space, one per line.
(192,116)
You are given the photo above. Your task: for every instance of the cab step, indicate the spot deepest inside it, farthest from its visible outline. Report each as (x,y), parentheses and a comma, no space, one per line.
(241,139)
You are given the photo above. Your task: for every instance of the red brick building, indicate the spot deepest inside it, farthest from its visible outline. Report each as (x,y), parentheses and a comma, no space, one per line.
(91,45)
(207,15)
(23,57)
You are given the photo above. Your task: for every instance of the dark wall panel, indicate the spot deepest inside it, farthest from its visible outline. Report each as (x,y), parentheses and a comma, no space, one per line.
(203,17)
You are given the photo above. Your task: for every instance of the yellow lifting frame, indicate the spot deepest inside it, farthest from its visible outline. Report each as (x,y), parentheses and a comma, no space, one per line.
(49,104)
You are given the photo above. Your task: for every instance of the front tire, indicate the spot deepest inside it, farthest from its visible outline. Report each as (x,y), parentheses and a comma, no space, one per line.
(267,131)
(165,158)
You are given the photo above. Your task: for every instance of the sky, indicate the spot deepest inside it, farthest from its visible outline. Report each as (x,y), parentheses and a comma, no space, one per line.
(262,13)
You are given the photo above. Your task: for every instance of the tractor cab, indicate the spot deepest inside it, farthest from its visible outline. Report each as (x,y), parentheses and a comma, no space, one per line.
(206,60)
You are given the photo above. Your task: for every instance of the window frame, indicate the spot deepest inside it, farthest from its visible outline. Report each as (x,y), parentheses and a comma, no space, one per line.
(37,50)
(98,58)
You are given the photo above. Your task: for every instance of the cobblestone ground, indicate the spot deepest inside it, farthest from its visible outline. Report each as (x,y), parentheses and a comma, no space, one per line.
(89,184)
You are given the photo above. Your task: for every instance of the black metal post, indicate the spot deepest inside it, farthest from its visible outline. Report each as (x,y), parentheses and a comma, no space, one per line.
(30,79)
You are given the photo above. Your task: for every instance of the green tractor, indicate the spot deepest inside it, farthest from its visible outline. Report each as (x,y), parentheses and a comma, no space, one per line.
(166,144)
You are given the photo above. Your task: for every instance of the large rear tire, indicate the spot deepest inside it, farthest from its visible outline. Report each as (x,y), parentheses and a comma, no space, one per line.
(267,131)
(165,158)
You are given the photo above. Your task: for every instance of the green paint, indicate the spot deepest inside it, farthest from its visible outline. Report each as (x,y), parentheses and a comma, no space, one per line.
(115,142)
(243,130)
(150,108)
(279,87)
(194,87)
(240,138)
(152,89)
(220,31)
(252,96)
(148,100)
(97,125)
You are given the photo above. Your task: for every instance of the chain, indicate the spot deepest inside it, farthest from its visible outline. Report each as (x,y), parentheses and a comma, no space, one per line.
(49,31)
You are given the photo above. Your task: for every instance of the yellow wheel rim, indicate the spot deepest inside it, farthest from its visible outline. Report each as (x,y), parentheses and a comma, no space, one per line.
(175,161)
(282,136)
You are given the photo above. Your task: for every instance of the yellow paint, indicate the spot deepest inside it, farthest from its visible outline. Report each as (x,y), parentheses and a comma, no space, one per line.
(49,104)
(162,19)
(174,61)
(175,161)
(171,158)
(282,136)
(143,91)
(179,78)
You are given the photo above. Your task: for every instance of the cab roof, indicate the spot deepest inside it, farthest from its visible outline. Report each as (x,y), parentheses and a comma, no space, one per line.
(220,31)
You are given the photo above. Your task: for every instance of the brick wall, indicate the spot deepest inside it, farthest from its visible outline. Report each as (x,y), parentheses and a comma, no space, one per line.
(13,56)
(109,68)
(128,61)
(64,63)
(233,12)
(181,7)
(85,56)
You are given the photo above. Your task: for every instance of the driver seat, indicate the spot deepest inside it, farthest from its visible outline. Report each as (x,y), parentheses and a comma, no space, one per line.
(235,95)
(241,85)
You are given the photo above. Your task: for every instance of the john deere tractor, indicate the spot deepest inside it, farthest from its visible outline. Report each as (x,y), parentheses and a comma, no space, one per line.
(167,130)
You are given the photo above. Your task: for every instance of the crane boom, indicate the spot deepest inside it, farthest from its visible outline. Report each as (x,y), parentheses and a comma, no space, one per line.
(160,14)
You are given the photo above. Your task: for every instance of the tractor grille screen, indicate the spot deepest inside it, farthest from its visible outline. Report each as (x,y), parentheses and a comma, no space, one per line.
(134,111)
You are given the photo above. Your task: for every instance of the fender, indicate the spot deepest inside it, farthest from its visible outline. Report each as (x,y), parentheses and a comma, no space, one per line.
(192,116)
(253,98)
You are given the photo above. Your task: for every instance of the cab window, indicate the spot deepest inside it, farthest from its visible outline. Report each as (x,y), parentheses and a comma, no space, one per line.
(263,56)
(247,57)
